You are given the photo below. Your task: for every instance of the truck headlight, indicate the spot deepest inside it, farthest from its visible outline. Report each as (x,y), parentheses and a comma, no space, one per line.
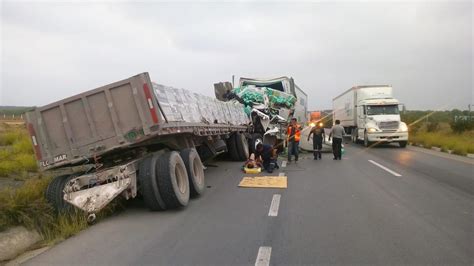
(371,130)
(403,127)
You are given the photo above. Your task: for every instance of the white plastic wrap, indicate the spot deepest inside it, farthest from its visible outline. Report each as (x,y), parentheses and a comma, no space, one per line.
(181,105)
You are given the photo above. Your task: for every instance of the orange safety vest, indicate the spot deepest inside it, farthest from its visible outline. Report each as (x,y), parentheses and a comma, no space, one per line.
(297,133)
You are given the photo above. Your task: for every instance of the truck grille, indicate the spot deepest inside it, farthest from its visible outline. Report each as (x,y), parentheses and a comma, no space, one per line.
(391,125)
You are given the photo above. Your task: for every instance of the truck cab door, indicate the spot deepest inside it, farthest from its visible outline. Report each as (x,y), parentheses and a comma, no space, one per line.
(361,119)
(292,87)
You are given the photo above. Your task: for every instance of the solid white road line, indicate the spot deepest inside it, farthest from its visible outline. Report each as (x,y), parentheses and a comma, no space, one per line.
(263,257)
(283,164)
(385,168)
(275,205)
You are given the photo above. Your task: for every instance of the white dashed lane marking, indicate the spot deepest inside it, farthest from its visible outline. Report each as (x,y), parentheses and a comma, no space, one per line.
(283,164)
(263,257)
(275,205)
(385,168)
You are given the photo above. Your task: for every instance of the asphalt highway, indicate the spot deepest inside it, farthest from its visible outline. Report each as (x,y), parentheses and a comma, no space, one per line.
(382,205)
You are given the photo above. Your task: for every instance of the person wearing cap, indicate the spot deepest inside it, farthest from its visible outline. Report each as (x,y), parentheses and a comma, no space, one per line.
(337,132)
(294,135)
(318,138)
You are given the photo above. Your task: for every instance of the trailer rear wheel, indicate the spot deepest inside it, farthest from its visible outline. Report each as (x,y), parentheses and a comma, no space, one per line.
(232,148)
(195,171)
(173,181)
(242,146)
(55,193)
(149,184)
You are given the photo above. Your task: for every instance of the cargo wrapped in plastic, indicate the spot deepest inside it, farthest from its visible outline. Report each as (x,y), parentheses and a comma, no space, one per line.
(253,96)
(179,105)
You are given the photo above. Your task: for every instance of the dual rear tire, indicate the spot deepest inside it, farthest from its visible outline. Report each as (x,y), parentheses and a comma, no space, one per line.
(238,147)
(167,181)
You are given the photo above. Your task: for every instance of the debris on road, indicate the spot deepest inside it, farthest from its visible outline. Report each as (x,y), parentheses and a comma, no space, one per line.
(264,182)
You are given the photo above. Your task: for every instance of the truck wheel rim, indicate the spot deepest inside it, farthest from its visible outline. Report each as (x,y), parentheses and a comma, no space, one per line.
(180,178)
(197,171)
(257,141)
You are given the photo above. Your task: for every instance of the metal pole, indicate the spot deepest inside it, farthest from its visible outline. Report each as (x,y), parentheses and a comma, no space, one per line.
(233,76)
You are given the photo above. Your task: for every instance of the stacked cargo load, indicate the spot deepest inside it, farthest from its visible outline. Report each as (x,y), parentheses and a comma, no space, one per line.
(179,105)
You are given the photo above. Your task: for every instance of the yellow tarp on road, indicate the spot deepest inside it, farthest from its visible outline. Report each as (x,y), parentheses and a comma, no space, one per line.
(264,182)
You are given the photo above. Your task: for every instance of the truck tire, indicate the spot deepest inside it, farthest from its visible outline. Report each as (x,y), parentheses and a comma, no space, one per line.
(149,184)
(232,148)
(195,171)
(173,181)
(366,140)
(242,146)
(256,138)
(55,193)
(355,136)
(402,144)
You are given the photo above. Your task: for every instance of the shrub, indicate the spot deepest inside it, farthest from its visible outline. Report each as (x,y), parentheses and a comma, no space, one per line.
(460,126)
(26,206)
(432,126)
(8,167)
(22,145)
(9,137)
(18,156)
(459,143)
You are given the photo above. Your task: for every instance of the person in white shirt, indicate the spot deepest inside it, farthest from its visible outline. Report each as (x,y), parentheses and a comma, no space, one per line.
(337,132)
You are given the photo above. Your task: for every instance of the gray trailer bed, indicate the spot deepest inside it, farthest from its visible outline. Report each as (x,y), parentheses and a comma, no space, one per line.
(125,114)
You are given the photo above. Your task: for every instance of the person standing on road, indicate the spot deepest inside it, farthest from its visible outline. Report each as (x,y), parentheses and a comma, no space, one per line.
(318,139)
(294,135)
(337,132)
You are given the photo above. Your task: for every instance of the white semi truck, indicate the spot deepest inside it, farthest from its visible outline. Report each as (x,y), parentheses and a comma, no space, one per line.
(370,114)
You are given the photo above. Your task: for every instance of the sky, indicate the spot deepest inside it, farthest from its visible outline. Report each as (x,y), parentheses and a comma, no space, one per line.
(52,50)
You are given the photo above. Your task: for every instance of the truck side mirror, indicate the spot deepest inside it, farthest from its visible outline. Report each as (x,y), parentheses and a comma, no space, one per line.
(403,107)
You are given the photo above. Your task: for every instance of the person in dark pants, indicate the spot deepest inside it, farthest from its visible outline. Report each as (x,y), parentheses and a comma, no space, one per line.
(267,155)
(337,133)
(294,135)
(318,138)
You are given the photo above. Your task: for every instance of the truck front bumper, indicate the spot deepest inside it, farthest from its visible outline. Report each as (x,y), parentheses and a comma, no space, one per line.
(387,137)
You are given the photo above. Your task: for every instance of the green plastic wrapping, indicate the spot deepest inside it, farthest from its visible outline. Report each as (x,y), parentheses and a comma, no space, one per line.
(252,95)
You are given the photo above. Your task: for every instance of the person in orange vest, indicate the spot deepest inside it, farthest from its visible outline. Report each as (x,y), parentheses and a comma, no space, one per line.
(294,135)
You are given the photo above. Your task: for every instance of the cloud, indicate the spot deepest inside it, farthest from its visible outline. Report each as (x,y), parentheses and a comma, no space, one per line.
(54,50)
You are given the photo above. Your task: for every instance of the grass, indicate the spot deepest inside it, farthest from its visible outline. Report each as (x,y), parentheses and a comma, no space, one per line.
(16,152)
(26,205)
(460,144)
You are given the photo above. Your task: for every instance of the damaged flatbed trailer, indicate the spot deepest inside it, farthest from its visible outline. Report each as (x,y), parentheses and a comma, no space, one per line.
(128,138)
